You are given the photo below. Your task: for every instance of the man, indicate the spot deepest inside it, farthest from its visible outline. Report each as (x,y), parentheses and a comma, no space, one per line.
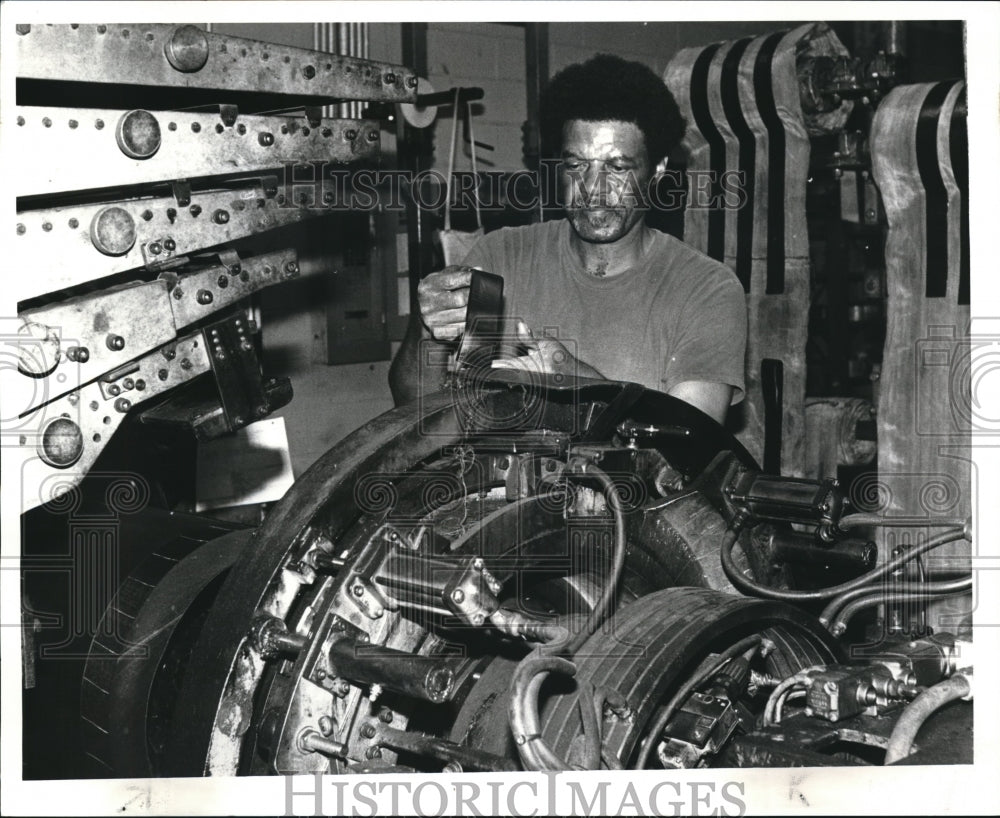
(600,294)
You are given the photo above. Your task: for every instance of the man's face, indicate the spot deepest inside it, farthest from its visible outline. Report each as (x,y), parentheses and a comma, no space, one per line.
(603,177)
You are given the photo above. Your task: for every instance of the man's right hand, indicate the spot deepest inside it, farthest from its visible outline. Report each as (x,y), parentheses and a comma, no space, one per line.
(443,299)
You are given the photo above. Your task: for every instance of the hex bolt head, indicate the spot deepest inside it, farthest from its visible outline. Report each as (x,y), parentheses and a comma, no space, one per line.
(385,715)
(368,731)
(154,248)
(140,384)
(115,342)
(309,71)
(389,78)
(169,245)
(358,590)
(138,134)
(123,405)
(350,134)
(220,216)
(205,297)
(127,384)
(291,268)
(458,595)
(265,139)
(373,135)
(195,210)
(411,81)
(373,752)
(114,389)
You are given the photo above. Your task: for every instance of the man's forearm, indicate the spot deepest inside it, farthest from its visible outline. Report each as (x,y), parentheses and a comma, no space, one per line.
(419,367)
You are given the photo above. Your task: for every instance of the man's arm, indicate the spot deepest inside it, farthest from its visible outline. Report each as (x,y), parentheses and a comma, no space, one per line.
(712,398)
(409,377)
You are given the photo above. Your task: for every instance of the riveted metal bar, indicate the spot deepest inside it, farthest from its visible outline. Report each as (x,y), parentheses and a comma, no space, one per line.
(93,148)
(87,336)
(197,295)
(184,56)
(75,240)
(93,418)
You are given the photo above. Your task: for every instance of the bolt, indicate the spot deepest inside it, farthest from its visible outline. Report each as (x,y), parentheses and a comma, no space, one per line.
(223,282)
(411,81)
(169,353)
(309,72)
(312,742)
(195,210)
(140,384)
(185,363)
(99,124)
(205,297)
(163,374)
(291,268)
(350,134)
(390,78)
(358,590)
(127,384)
(325,725)
(385,715)
(220,216)
(452,767)
(78,354)
(373,752)
(47,122)
(115,343)
(74,223)
(169,245)
(154,248)
(372,135)
(328,132)
(342,687)
(20,230)
(235,269)
(178,293)
(458,596)
(478,563)
(368,731)
(123,405)
(47,226)
(321,675)
(195,127)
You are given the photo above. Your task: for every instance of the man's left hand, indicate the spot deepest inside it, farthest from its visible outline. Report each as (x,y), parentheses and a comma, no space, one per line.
(545,355)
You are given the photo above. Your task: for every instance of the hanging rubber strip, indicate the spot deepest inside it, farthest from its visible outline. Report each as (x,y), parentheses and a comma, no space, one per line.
(716,241)
(959,145)
(764,93)
(747,161)
(936,194)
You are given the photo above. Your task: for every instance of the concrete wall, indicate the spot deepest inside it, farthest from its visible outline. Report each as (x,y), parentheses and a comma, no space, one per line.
(331,401)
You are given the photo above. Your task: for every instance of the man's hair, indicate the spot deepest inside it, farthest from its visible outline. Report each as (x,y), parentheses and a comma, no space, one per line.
(606,87)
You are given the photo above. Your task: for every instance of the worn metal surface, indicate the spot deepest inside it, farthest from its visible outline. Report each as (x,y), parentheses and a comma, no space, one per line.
(82,151)
(183,56)
(98,414)
(165,232)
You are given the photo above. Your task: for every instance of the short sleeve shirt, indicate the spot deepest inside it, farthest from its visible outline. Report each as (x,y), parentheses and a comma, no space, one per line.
(677,316)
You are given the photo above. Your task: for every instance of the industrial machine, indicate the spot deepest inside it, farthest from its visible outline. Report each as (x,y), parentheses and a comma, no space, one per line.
(521,572)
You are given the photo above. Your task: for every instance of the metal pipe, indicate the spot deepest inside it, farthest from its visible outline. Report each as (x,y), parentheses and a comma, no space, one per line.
(931,588)
(877,598)
(919,710)
(431,678)
(442,749)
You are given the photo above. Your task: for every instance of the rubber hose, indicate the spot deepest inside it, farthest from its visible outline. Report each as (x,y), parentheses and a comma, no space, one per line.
(919,710)
(857,520)
(528,677)
(618,561)
(749,586)
(837,628)
(686,690)
(934,588)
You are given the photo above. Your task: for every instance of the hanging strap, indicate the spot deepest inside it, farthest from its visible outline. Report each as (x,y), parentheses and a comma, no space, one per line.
(451,163)
(475,172)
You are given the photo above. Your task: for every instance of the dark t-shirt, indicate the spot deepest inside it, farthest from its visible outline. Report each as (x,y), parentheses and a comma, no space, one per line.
(677,316)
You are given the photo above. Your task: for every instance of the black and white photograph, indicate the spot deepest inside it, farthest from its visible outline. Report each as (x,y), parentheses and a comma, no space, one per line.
(499,409)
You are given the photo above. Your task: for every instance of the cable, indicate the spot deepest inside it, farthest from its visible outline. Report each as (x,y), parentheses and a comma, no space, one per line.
(749,586)
(600,610)
(877,598)
(686,690)
(919,710)
(934,588)
(798,679)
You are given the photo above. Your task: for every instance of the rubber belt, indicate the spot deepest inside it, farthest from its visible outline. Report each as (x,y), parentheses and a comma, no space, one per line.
(716,240)
(482,317)
(763,78)
(959,144)
(747,162)
(936,194)
(772,381)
